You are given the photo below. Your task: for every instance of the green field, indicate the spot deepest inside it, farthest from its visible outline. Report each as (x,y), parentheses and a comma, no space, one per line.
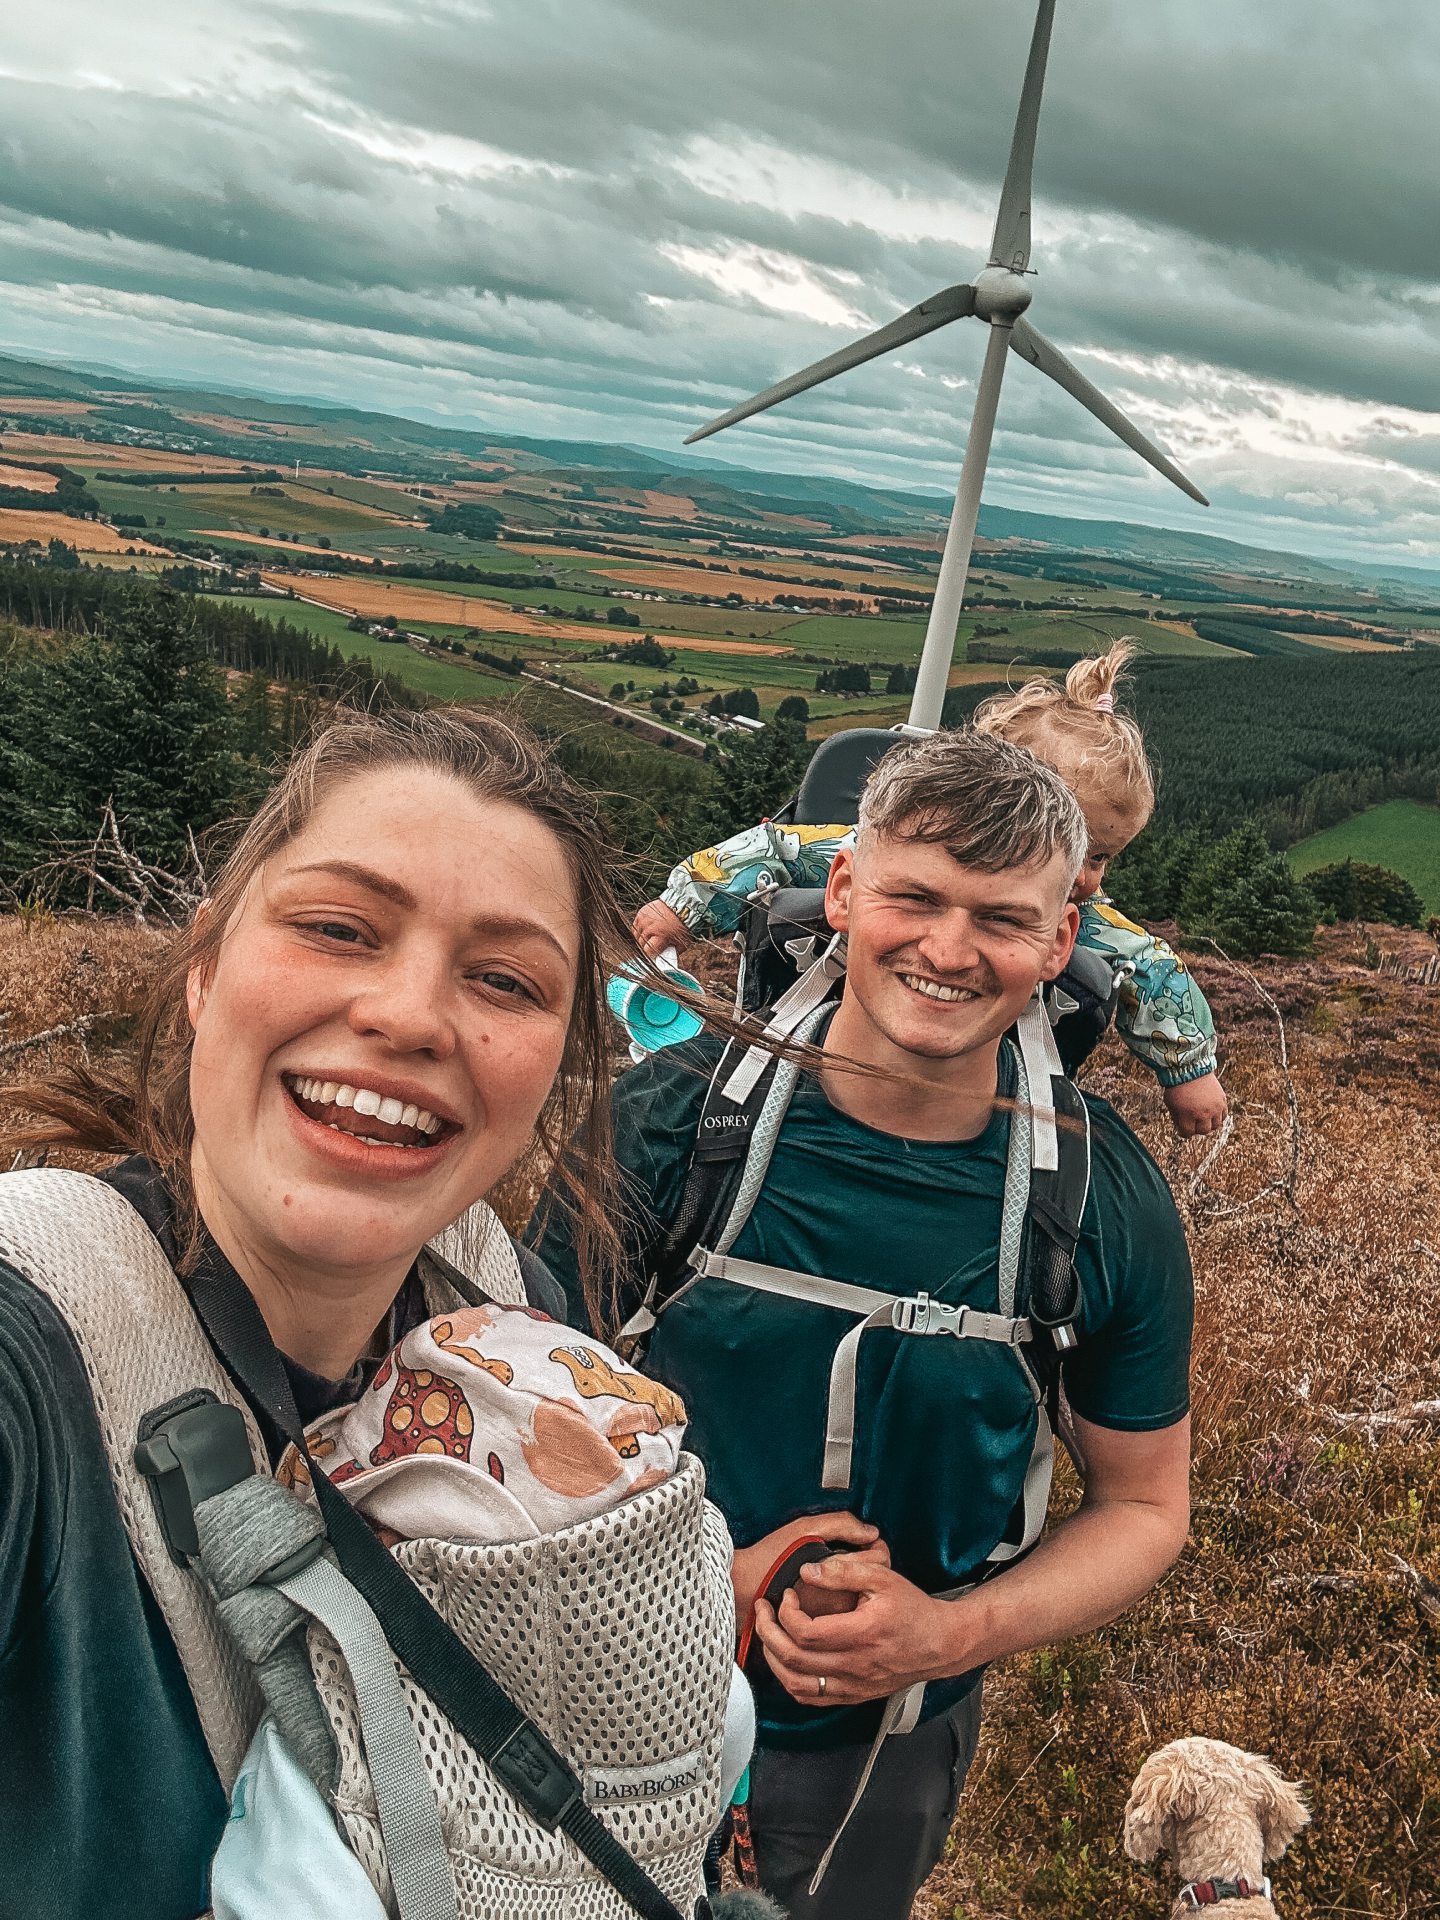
(1403,835)
(441,679)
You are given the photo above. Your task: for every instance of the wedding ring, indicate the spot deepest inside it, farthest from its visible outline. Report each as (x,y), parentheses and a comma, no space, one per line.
(822,1686)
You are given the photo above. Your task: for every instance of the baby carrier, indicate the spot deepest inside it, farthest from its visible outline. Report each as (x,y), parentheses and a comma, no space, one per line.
(520,1730)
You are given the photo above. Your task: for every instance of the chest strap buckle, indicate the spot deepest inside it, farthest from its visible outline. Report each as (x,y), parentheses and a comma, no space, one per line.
(918,1313)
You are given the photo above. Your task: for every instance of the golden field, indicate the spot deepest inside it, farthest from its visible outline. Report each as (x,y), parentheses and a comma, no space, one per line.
(18,524)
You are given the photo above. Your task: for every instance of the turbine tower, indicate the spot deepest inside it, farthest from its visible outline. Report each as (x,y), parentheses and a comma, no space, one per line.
(998,297)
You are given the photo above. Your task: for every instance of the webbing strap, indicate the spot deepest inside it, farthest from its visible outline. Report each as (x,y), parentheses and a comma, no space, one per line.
(902,1711)
(904,1313)
(409,1818)
(1016,1197)
(810,991)
(512,1746)
(1042,1062)
(766,1132)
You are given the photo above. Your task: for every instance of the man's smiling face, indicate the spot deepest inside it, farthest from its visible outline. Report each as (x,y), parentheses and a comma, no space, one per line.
(943,957)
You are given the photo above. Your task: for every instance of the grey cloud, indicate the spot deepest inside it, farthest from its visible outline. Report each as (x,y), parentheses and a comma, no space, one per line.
(1252,189)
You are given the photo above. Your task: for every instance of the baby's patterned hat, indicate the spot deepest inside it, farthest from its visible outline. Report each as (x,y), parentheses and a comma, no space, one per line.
(495,1423)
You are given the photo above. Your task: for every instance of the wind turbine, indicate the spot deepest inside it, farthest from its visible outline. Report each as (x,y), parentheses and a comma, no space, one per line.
(998,297)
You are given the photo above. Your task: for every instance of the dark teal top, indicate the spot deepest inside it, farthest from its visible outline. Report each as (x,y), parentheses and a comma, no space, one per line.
(944,1428)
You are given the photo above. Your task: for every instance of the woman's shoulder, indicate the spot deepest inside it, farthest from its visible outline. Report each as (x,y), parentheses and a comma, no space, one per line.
(36,1345)
(47,1424)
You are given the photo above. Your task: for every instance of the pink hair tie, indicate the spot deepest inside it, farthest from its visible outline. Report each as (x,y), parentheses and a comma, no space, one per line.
(1105,703)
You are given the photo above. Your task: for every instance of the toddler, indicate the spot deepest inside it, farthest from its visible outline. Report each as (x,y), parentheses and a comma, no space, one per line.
(1161,1014)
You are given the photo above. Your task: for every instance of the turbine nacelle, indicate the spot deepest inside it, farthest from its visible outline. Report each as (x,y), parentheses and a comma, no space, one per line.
(1001,296)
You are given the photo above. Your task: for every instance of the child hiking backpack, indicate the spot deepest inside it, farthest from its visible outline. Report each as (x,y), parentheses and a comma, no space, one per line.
(566,1768)
(1047,1180)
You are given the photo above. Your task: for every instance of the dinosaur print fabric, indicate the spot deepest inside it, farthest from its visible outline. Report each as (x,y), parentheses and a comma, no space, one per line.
(493,1424)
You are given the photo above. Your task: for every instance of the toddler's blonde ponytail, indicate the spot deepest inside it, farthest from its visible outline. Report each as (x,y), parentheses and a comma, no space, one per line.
(1075,728)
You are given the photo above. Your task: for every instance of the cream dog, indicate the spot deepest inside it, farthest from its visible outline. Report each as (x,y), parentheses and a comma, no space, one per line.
(1220,1814)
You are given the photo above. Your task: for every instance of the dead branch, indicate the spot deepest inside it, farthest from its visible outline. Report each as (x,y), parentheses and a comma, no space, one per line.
(1217,1147)
(148,892)
(1400,1573)
(1427,1594)
(1286,1183)
(72,1029)
(1419,1413)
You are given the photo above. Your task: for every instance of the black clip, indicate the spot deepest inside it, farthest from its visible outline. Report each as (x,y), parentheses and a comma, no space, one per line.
(188,1450)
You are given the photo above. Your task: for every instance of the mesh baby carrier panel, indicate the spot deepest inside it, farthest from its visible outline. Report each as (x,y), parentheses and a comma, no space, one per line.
(617,1637)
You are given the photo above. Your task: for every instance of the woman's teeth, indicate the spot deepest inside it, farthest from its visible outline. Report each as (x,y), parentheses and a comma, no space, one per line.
(366,1102)
(933,990)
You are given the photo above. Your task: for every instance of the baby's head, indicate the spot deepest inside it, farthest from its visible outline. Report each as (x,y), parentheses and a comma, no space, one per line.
(1098,753)
(494,1424)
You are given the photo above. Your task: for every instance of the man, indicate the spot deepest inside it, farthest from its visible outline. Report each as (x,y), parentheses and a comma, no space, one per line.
(955,904)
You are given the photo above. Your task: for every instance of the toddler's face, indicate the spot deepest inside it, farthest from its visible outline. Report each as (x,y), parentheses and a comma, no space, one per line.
(1110,831)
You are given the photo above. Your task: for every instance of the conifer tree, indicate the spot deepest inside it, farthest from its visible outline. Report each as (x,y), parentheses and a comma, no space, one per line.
(135,714)
(1244,897)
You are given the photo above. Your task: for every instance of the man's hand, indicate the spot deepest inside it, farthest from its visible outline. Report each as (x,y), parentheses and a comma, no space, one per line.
(657,926)
(888,1635)
(751,1564)
(1130,1525)
(1197,1106)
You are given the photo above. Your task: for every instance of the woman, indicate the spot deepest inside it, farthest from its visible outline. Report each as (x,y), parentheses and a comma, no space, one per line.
(394,989)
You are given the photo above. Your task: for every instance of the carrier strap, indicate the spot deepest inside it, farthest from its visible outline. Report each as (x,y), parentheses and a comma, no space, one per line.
(409,1818)
(90,1253)
(904,1313)
(1042,1064)
(796,1004)
(515,1749)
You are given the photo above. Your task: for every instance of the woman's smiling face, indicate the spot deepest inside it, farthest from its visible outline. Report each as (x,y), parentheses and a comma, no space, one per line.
(382,1026)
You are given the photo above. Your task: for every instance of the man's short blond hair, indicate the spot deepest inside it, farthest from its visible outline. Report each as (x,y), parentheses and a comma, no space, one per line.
(989,803)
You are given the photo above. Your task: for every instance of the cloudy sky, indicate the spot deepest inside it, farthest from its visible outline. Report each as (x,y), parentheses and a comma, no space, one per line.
(608,219)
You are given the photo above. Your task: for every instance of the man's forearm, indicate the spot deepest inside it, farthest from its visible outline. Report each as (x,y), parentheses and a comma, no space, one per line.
(1089,1570)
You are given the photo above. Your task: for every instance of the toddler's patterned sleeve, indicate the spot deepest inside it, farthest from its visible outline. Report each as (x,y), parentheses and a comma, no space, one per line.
(1160,1012)
(711,890)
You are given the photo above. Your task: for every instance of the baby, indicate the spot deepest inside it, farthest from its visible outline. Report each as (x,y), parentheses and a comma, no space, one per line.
(487,1425)
(1161,1014)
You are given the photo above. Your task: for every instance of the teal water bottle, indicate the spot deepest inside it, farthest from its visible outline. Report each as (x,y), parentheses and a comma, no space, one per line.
(651,1018)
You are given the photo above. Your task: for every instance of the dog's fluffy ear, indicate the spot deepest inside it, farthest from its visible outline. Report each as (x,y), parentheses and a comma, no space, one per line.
(1278,1806)
(1161,1795)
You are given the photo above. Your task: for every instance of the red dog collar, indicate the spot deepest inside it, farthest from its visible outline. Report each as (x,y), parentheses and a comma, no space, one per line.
(1206,1893)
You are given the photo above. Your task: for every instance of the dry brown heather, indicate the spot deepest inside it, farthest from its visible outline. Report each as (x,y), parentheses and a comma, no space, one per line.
(1295,1623)
(1304,1618)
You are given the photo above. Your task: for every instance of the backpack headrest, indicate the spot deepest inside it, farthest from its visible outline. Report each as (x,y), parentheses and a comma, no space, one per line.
(835,778)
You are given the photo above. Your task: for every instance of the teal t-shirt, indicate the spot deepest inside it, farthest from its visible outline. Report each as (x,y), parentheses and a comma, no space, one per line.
(944,1427)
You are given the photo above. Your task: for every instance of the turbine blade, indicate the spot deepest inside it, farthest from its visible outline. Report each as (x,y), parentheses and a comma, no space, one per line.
(1011,245)
(1045,355)
(952,303)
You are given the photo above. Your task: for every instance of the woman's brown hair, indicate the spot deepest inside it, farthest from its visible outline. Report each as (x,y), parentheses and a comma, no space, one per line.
(141,1103)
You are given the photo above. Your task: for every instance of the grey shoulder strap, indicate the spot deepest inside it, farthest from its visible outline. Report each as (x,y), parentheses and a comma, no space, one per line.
(92,1255)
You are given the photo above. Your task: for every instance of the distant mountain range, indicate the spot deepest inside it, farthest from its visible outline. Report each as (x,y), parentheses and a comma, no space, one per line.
(844,506)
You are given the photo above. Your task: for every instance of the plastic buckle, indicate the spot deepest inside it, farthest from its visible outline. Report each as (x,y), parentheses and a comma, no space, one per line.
(920,1314)
(536,1774)
(190,1449)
